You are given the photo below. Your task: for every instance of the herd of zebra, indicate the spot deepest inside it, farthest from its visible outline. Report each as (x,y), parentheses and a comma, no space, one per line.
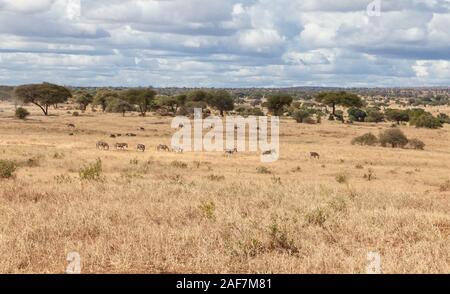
(101,145)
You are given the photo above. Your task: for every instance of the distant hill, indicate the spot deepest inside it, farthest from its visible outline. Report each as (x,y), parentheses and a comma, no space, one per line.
(6,92)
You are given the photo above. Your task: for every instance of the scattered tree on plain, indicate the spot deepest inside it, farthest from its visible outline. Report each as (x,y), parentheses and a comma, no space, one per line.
(42,95)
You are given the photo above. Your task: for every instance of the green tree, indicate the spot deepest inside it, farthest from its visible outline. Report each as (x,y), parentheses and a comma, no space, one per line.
(397,115)
(426,120)
(181,99)
(301,115)
(342,98)
(119,105)
(222,101)
(142,97)
(84,99)
(277,102)
(357,114)
(374,115)
(103,97)
(198,95)
(42,95)
(21,113)
(169,101)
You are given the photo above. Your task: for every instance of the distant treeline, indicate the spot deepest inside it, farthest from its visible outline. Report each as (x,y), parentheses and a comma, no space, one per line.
(6,92)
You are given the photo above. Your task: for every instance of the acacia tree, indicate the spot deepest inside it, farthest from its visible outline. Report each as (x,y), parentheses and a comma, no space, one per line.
(141,97)
(222,101)
(42,95)
(397,115)
(103,97)
(84,99)
(119,105)
(342,98)
(277,102)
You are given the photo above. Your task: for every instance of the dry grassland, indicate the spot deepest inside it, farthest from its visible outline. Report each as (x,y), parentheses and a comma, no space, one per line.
(150,213)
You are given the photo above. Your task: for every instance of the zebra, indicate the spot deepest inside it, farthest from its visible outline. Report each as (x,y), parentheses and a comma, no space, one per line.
(314,155)
(102,145)
(230,152)
(121,146)
(177,149)
(162,147)
(141,147)
(130,135)
(269,152)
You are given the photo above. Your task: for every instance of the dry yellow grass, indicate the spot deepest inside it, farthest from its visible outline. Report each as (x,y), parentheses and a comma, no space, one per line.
(218,214)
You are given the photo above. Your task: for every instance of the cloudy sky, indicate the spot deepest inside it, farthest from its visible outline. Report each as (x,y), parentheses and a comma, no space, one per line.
(225,43)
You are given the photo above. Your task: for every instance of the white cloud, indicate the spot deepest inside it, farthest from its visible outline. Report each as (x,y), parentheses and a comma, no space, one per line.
(224,42)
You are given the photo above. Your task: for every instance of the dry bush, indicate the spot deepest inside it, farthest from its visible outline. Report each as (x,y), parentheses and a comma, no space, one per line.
(416,144)
(7,169)
(367,139)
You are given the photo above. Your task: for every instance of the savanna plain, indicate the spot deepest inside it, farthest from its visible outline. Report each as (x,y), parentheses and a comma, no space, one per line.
(205,212)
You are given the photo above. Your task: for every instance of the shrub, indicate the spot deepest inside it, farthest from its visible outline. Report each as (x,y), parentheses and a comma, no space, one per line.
(262,170)
(341,178)
(370,175)
(179,164)
(357,114)
(444,118)
(368,139)
(394,138)
(301,115)
(445,186)
(279,239)
(7,169)
(207,209)
(216,178)
(416,144)
(75,113)
(374,115)
(426,121)
(21,113)
(91,172)
(317,217)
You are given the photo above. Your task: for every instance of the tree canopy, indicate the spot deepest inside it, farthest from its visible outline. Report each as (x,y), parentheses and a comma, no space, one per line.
(84,99)
(397,115)
(277,102)
(42,95)
(221,100)
(103,97)
(341,98)
(142,97)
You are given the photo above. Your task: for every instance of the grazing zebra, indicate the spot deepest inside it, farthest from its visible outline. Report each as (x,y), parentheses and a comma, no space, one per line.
(141,147)
(314,155)
(230,152)
(112,136)
(130,135)
(121,146)
(177,149)
(102,145)
(181,126)
(162,147)
(269,152)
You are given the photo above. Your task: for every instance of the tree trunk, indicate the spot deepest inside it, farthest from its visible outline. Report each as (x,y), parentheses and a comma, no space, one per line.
(221,112)
(44,110)
(334,109)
